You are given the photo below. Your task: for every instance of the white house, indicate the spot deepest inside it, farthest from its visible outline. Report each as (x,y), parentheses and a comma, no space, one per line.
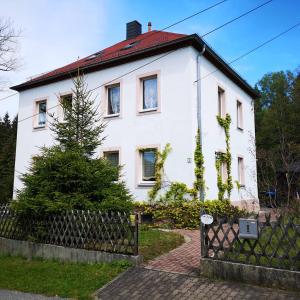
(154,88)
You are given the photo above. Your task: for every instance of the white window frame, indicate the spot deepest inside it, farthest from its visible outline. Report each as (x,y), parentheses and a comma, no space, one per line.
(241,170)
(224,173)
(223,168)
(140,93)
(221,102)
(106,97)
(239,115)
(139,169)
(37,103)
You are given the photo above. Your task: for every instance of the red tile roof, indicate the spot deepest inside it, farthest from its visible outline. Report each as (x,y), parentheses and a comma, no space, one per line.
(141,42)
(145,45)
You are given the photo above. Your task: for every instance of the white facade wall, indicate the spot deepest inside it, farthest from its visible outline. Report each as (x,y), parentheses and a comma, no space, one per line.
(176,123)
(242,142)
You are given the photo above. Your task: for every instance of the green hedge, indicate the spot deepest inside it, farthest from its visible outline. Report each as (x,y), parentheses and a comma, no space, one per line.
(186,214)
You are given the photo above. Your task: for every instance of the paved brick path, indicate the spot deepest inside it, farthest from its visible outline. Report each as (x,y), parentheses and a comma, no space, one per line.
(184,259)
(141,283)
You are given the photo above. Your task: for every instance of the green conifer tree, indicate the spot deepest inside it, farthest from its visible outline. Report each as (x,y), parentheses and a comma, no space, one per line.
(82,127)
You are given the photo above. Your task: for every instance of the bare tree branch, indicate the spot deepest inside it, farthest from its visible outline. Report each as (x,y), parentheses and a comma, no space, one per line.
(8,45)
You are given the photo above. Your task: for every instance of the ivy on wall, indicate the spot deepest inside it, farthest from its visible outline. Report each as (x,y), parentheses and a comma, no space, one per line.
(224,158)
(159,171)
(199,183)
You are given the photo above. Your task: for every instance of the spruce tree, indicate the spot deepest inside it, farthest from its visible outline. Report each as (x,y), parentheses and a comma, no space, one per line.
(82,126)
(67,176)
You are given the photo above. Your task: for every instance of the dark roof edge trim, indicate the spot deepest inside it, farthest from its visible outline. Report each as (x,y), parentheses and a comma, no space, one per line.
(191,40)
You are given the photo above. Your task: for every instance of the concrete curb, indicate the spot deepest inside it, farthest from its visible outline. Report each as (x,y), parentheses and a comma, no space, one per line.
(47,251)
(250,274)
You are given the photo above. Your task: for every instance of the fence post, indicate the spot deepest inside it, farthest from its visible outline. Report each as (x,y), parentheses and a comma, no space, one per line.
(136,235)
(203,239)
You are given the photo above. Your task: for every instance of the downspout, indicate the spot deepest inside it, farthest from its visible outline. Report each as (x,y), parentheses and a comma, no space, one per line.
(199,121)
(199,109)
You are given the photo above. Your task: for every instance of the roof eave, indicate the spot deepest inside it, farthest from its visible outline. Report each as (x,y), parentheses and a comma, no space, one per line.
(172,45)
(214,58)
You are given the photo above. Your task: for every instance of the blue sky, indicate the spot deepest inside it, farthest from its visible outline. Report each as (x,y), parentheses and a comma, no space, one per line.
(55,33)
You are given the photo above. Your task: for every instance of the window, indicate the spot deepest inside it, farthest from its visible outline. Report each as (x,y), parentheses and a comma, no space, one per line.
(223,167)
(66,104)
(41,109)
(113,157)
(113,100)
(221,102)
(148,164)
(224,173)
(150,99)
(239,112)
(241,171)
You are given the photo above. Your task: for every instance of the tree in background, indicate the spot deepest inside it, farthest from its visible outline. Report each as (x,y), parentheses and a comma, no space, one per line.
(67,176)
(8,136)
(277,132)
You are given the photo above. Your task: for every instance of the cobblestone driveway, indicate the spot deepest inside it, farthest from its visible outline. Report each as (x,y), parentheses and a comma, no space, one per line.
(141,283)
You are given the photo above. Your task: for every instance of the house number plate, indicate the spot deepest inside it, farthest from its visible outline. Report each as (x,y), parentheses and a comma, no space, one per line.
(207,219)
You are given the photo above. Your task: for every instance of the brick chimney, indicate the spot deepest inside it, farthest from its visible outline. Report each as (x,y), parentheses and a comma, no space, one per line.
(133,29)
(149,26)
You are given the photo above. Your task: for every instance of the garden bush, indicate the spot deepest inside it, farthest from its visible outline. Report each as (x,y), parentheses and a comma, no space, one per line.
(178,192)
(186,214)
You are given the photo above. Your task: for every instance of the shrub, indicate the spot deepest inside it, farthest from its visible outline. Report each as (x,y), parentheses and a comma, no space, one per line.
(64,180)
(178,192)
(187,214)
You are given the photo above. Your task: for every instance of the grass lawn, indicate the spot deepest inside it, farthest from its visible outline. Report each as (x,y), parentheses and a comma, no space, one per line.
(154,242)
(78,281)
(55,278)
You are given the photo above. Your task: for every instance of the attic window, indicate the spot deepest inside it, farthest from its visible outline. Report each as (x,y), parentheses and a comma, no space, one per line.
(94,55)
(130,45)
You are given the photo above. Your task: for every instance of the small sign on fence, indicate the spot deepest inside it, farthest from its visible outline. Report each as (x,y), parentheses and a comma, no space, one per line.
(207,219)
(248,229)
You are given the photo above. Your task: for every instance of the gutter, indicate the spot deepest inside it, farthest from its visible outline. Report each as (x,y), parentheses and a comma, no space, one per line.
(199,105)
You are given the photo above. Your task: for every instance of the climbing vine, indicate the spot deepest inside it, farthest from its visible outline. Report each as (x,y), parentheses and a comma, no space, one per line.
(199,183)
(224,158)
(159,171)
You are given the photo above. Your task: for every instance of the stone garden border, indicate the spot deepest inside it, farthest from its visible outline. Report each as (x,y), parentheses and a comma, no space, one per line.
(266,276)
(47,251)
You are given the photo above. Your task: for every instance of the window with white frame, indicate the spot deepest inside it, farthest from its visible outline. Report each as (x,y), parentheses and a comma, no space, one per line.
(241,171)
(150,93)
(239,114)
(221,102)
(148,158)
(66,104)
(41,110)
(113,100)
(113,157)
(223,167)
(224,173)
